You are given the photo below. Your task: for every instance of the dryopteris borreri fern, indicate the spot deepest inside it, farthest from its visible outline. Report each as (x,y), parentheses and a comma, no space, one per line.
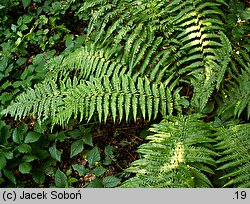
(166,49)
(150,57)
(178,154)
(234,148)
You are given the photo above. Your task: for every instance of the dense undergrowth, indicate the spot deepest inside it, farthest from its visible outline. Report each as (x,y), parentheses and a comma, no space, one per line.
(81,82)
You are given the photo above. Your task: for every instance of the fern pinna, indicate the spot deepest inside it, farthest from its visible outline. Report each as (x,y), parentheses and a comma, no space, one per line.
(179,154)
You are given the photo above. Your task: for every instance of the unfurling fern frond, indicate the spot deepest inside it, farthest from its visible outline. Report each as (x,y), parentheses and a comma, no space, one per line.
(234,144)
(178,155)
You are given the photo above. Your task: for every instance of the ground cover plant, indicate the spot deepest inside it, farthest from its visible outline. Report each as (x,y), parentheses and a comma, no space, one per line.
(165,82)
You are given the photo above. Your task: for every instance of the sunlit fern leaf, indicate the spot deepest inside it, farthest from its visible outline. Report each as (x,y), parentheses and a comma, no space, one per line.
(234,147)
(177,155)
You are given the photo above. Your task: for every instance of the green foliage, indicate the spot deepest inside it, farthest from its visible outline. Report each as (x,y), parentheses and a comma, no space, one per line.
(21,150)
(130,60)
(60,179)
(137,57)
(236,98)
(94,176)
(34,153)
(106,93)
(179,154)
(234,146)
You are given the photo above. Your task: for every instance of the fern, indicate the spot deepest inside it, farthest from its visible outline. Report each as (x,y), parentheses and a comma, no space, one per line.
(193,36)
(234,144)
(145,46)
(178,155)
(119,96)
(146,58)
(85,62)
(236,97)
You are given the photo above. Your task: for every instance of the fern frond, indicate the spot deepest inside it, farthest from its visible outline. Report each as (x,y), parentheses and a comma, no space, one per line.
(176,156)
(202,44)
(234,144)
(85,62)
(120,96)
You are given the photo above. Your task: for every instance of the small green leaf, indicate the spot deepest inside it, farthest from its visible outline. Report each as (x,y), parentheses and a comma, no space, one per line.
(107,160)
(86,135)
(109,150)
(109,155)
(39,177)
(75,134)
(18,133)
(61,136)
(40,127)
(24,148)
(26,3)
(76,148)
(27,19)
(21,61)
(9,175)
(97,183)
(29,158)
(93,156)
(72,180)
(42,154)
(99,170)
(111,181)
(25,167)
(32,137)
(60,179)
(17,138)
(88,139)
(5,134)
(80,169)
(144,133)
(50,171)
(55,154)
(3,161)
(208,108)
(8,155)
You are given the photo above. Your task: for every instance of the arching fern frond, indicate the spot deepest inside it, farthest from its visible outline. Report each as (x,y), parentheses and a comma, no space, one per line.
(234,144)
(178,155)
(85,62)
(204,54)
